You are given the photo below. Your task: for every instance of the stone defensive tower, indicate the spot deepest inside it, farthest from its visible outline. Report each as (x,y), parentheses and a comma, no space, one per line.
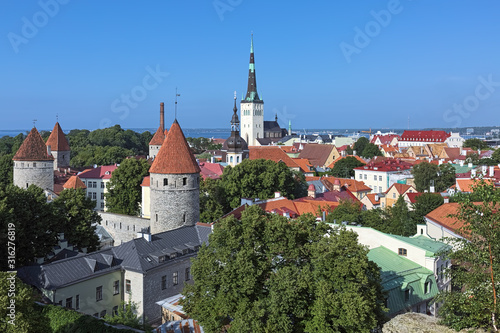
(159,136)
(58,145)
(33,164)
(174,184)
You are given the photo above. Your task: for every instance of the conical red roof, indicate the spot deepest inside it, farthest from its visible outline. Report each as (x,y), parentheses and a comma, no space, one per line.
(158,138)
(74,182)
(57,140)
(33,149)
(175,156)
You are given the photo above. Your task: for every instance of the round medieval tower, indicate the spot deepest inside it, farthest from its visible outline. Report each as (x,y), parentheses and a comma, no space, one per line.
(58,145)
(174,184)
(32,163)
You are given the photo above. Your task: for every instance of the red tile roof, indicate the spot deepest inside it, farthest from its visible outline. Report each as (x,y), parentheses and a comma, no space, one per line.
(175,156)
(441,216)
(57,140)
(74,182)
(400,188)
(371,197)
(413,196)
(429,136)
(101,172)
(158,137)
(351,184)
(387,165)
(384,139)
(33,149)
(146,181)
(273,153)
(211,170)
(342,157)
(304,164)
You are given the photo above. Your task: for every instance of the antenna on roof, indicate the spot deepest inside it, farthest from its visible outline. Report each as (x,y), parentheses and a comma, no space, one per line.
(34,121)
(176,94)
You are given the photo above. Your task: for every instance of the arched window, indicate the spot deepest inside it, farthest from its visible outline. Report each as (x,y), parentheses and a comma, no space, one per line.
(184,181)
(231,159)
(237,159)
(165,181)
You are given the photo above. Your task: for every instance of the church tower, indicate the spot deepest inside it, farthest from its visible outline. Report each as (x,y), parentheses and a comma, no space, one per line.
(252,107)
(174,184)
(33,164)
(57,145)
(159,136)
(235,146)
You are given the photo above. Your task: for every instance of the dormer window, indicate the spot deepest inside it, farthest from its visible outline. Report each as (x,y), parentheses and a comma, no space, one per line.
(402,252)
(427,287)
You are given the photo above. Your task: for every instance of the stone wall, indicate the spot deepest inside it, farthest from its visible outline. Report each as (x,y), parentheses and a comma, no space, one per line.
(123,227)
(39,173)
(175,201)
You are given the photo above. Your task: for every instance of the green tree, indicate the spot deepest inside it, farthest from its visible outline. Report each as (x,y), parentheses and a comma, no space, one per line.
(242,278)
(377,219)
(346,211)
(360,145)
(127,315)
(472,158)
(23,318)
(371,150)
(399,219)
(260,179)
(425,173)
(475,274)
(34,223)
(77,218)
(425,203)
(213,204)
(6,170)
(124,187)
(344,168)
(496,156)
(476,144)
(446,177)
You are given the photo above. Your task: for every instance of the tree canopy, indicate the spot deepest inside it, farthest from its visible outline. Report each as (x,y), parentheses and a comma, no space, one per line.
(124,189)
(213,204)
(476,144)
(371,150)
(425,173)
(260,179)
(344,168)
(243,278)
(475,274)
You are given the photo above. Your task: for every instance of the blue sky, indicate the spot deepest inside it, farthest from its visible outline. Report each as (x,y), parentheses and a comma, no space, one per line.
(320,64)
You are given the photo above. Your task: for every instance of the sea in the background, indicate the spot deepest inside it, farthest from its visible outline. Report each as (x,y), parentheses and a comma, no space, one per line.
(216,133)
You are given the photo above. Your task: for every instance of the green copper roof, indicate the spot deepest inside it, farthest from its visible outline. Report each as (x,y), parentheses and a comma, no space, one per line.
(400,274)
(251,44)
(429,245)
(461,169)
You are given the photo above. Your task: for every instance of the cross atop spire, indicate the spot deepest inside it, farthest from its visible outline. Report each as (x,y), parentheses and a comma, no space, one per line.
(252,94)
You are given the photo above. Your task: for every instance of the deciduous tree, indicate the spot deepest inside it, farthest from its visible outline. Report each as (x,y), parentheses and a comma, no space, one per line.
(476,271)
(268,274)
(124,188)
(344,168)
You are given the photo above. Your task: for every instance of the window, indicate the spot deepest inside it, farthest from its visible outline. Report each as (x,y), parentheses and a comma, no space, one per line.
(380,178)
(365,176)
(173,255)
(407,295)
(34,164)
(175,278)
(128,288)
(94,195)
(394,195)
(164,282)
(102,196)
(69,302)
(188,273)
(95,184)
(165,181)
(375,177)
(103,185)
(102,207)
(184,181)
(380,189)
(231,159)
(402,252)
(77,302)
(427,287)
(360,176)
(115,310)
(116,287)
(98,294)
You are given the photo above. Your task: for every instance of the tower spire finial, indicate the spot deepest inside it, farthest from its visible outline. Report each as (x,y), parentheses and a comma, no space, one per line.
(252,82)
(176,94)
(34,121)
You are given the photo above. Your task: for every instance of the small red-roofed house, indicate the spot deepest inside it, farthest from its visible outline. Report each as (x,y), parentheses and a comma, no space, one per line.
(305,166)
(211,170)
(440,224)
(382,173)
(273,153)
(385,139)
(395,191)
(96,179)
(357,188)
(371,201)
(74,182)
(319,155)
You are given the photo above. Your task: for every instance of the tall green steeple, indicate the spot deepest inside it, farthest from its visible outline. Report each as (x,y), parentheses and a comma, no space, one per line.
(252,95)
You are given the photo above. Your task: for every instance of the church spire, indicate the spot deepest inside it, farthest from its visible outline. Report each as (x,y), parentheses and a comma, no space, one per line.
(235,122)
(252,82)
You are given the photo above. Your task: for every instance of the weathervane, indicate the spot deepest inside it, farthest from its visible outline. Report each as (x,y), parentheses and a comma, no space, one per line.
(176,94)
(34,121)
(57,117)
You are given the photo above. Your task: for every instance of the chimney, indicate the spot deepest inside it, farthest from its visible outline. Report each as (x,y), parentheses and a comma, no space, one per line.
(446,200)
(277,194)
(311,191)
(336,185)
(469,165)
(473,173)
(492,171)
(162,117)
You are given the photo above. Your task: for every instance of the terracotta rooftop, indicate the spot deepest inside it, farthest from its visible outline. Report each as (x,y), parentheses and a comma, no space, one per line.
(304,164)
(146,181)
(211,170)
(384,139)
(426,136)
(387,165)
(57,140)
(352,184)
(342,157)
(371,197)
(441,216)
(400,188)
(100,172)
(158,137)
(273,153)
(413,196)
(175,156)
(33,149)
(75,183)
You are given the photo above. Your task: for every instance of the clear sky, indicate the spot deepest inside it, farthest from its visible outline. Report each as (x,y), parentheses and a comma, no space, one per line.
(320,64)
